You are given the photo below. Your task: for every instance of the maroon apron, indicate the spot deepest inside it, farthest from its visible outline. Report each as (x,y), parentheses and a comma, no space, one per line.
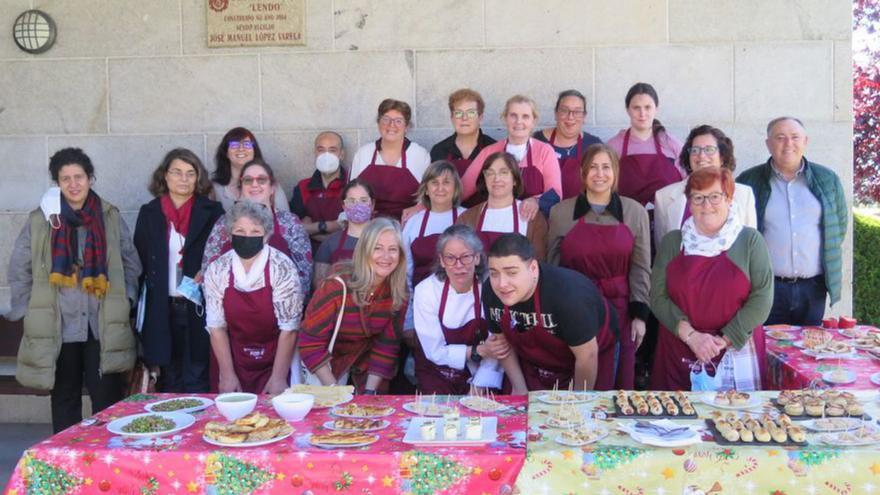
(602,253)
(532,179)
(642,175)
(436,379)
(325,207)
(546,361)
(687,212)
(709,290)
(487,237)
(341,253)
(277,240)
(424,249)
(570,169)
(461,165)
(393,187)
(253,335)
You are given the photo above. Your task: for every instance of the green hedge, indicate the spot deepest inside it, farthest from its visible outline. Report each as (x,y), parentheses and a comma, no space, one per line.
(866,269)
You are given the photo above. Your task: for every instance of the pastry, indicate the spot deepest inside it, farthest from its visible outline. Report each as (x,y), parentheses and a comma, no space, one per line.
(739,399)
(835,410)
(814,407)
(746,435)
(722,399)
(730,434)
(855,409)
(254,427)
(779,435)
(797,434)
(342,438)
(363,411)
(794,408)
(762,435)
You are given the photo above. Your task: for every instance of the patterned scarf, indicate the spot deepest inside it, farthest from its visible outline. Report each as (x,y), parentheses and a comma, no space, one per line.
(67,270)
(695,243)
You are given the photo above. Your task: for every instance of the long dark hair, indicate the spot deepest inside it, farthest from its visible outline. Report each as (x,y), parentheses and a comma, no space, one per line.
(641,88)
(223,173)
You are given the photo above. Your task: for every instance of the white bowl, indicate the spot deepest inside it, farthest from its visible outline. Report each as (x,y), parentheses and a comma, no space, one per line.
(235,405)
(293,407)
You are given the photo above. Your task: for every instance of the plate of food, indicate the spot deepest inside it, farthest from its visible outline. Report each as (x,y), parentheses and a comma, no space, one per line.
(854,333)
(325,397)
(555,397)
(472,430)
(362,411)
(427,408)
(482,404)
(357,424)
(831,350)
(864,435)
(253,430)
(343,439)
(150,424)
(578,437)
(565,416)
(779,335)
(839,376)
(827,425)
(757,430)
(180,404)
(783,327)
(653,405)
(731,399)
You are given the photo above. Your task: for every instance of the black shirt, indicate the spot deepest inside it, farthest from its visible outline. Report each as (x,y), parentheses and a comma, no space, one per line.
(572,308)
(572,150)
(447,148)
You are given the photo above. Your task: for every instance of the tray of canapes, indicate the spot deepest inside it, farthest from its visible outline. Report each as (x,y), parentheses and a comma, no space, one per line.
(808,404)
(253,430)
(636,405)
(565,416)
(747,430)
(452,429)
(482,403)
(866,434)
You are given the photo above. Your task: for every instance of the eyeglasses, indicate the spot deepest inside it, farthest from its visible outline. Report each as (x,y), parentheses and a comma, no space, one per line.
(247,144)
(465,259)
(708,150)
(713,198)
(460,114)
(491,174)
(388,121)
(357,201)
(181,175)
(260,180)
(571,112)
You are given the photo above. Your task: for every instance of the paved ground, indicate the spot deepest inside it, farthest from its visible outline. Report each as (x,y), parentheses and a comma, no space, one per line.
(15,438)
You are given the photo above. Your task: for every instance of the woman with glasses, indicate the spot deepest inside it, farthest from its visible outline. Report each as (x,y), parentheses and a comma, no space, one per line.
(466,108)
(253,301)
(569,140)
(648,153)
(711,289)
(257,184)
(607,238)
(500,214)
(357,206)
(706,146)
(170,237)
(449,322)
(539,170)
(393,165)
(238,147)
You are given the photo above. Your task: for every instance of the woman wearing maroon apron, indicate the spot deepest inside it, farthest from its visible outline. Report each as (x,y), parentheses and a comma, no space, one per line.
(501,213)
(536,160)
(712,289)
(253,301)
(257,184)
(373,306)
(450,356)
(392,164)
(705,146)
(606,237)
(358,203)
(568,139)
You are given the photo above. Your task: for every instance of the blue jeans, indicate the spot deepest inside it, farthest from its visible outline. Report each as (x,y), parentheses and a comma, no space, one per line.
(798,303)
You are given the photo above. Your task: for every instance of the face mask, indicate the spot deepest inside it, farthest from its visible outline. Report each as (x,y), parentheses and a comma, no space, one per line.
(247,247)
(359,213)
(51,205)
(700,379)
(327,163)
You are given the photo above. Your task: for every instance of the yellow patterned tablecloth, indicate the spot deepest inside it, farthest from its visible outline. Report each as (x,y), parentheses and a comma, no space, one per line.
(618,465)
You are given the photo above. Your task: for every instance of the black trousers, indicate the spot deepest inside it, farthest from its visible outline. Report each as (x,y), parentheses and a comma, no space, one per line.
(188,370)
(79,362)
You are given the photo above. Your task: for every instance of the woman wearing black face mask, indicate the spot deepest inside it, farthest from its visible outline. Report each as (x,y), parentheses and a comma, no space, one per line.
(254,301)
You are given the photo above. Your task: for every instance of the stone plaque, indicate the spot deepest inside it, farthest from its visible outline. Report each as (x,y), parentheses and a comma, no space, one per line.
(256,22)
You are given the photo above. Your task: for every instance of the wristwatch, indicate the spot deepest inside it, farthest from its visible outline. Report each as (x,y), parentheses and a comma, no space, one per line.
(475,356)
(322,227)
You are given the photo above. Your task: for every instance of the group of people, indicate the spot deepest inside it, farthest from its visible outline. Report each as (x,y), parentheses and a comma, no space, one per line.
(546,259)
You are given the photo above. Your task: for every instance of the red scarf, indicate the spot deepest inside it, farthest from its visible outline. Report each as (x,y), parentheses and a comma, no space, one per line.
(178,217)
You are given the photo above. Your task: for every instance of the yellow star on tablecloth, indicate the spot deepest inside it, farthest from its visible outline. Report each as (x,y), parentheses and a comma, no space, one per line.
(280,476)
(875,468)
(170,474)
(478,470)
(567,454)
(508,459)
(116,471)
(310,465)
(365,468)
(387,481)
(186,457)
(192,487)
(668,473)
(771,453)
(88,481)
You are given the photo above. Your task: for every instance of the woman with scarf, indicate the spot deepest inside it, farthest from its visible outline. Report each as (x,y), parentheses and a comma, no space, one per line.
(73,278)
(254,301)
(170,237)
(711,289)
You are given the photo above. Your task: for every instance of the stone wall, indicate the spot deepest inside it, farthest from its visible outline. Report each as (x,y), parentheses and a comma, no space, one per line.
(130,79)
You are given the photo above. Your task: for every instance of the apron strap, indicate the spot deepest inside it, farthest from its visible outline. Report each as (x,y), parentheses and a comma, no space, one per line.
(403,148)
(657,145)
(624,152)
(443,298)
(341,243)
(425,222)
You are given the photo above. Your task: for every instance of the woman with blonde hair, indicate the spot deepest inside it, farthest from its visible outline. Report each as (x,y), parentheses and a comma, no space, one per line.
(371,294)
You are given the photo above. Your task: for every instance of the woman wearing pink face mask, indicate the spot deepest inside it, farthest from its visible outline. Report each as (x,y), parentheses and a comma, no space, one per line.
(357,204)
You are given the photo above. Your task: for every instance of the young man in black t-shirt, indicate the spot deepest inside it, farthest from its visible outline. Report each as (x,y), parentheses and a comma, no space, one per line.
(543,319)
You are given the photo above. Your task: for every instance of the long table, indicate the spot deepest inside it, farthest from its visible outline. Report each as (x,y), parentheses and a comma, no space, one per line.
(87,459)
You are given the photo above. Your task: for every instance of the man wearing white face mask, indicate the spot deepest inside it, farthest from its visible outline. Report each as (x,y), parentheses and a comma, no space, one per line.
(317,200)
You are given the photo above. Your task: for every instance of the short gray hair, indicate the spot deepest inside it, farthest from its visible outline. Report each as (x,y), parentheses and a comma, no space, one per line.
(469,237)
(782,119)
(257,212)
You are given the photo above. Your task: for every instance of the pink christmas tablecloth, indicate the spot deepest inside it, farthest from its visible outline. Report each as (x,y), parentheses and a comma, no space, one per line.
(87,459)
